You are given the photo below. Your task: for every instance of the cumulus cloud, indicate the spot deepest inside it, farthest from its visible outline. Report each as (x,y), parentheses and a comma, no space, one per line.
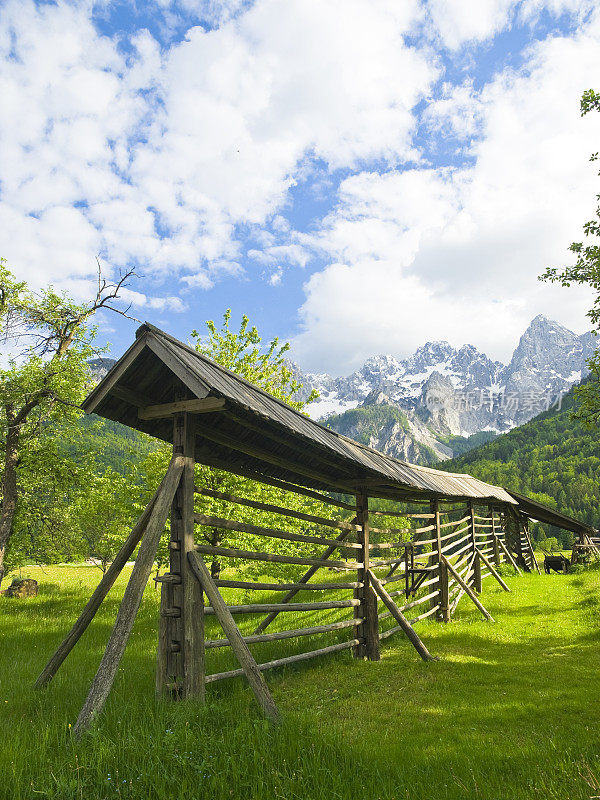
(455,253)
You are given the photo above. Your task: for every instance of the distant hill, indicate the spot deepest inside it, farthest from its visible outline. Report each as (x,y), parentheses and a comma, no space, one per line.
(552,458)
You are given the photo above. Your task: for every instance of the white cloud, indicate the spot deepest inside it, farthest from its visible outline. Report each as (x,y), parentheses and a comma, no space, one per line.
(162,156)
(439,254)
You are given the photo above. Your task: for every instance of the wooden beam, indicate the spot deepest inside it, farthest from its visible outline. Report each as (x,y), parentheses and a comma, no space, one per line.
(408,629)
(492,570)
(205,405)
(109,665)
(467,590)
(236,640)
(93,604)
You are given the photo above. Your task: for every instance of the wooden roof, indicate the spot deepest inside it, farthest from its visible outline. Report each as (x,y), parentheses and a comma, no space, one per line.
(256,435)
(541,513)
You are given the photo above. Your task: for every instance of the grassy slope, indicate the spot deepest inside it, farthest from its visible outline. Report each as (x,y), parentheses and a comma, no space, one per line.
(511,712)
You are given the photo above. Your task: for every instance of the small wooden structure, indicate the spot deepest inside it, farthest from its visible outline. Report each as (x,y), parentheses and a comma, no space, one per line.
(464,529)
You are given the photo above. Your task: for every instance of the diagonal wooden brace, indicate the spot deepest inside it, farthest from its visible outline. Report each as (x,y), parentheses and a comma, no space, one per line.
(408,629)
(105,676)
(467,590)
(236,640)
(492,570)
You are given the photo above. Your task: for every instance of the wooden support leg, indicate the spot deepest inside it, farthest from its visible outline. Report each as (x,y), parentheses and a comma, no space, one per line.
(130,604)
(495,542)
(93,604)
(509,556)
(444,594)
(467,590)
(408,629)
(236,640)
(479,555)
(368,630)
(477,582)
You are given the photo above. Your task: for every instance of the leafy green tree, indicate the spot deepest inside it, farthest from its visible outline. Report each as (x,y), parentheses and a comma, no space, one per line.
(42,382)
(240,351)
(586,271)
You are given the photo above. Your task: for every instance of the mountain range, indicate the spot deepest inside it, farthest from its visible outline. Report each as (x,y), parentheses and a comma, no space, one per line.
(441,401)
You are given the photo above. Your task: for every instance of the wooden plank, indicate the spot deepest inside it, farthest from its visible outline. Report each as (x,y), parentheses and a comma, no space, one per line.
(103,588)
(275,533)
(281,662)
(292,634)
(492,570)
(268,457)
(467,590)
(295,489)
(238,645)
(251,555)
(205,405)
(411,634)
(286,587)
(260,608)
(287,512)
(132,598)
(303,580)
(130,396)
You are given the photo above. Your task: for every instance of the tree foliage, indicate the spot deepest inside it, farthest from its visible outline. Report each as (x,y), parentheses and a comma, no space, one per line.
(586,271)
(43,379)
(554,459)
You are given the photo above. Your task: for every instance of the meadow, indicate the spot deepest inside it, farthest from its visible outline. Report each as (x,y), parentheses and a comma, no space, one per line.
(511,711)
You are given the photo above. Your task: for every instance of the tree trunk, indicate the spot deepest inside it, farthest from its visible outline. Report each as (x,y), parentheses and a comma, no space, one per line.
(9,487)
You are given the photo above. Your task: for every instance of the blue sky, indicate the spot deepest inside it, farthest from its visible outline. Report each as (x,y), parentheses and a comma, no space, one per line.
(358,176)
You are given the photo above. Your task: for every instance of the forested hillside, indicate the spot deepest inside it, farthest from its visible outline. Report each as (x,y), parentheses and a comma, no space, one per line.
(553,459)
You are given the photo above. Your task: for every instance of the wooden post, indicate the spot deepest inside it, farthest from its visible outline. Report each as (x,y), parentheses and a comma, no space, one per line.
(368,630)
(495,542)
(493,571)
(476,560)
(180,661)
(441,599)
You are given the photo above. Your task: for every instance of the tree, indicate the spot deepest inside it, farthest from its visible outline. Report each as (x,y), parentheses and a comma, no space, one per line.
(49,342)
(586,270)
(240,351)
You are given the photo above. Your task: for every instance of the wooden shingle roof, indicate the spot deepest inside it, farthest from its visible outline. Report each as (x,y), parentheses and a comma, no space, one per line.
(256,434)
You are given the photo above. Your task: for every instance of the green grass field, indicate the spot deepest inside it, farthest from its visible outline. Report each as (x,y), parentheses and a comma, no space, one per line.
(511,711)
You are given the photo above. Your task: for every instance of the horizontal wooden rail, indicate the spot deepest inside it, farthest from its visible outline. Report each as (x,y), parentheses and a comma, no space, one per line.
(251,555)
(281,662)
(205,405)
(261,608)
(273,533)
(285,587)
(400,514)
(294,489)
(273,509)
(292,634)
(413,604)
(454,522)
